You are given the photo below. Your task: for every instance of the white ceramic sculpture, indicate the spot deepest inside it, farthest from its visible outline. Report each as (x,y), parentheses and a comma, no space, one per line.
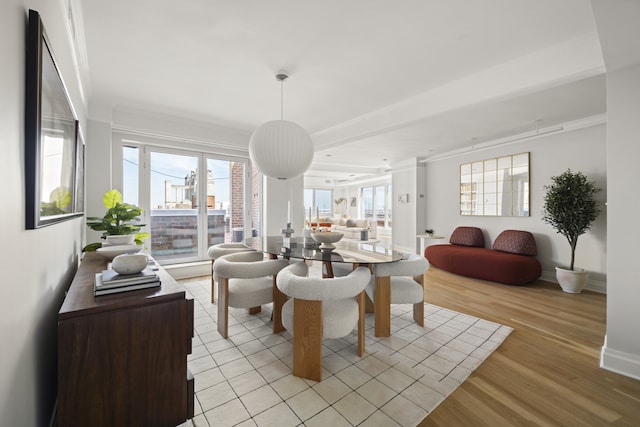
(129,263)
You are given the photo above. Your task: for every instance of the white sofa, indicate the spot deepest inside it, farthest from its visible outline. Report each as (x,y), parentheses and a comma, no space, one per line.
(351,228)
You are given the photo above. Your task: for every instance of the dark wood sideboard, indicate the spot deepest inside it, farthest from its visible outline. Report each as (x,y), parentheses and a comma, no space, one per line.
(122,358)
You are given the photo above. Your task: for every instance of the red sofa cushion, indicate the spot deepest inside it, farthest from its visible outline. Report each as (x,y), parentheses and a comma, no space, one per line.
(467,236)
(516,242)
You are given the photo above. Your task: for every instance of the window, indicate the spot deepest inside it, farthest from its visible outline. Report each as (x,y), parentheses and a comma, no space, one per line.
(376,204)
(191,199)
(318,203)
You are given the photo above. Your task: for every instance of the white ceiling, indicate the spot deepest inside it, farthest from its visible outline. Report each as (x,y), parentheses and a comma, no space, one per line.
(373,81)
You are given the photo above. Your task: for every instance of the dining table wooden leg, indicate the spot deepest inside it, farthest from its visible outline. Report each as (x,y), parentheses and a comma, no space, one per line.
(327,270)
(382,303)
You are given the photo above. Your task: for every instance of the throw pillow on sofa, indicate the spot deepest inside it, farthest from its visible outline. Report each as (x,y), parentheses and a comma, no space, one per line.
(467,236)
(516,242)
(362,223)
(351,223)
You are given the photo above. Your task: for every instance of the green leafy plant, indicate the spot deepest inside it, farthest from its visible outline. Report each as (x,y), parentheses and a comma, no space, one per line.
(120,219)
(570,206)
(429,231)
(59,200)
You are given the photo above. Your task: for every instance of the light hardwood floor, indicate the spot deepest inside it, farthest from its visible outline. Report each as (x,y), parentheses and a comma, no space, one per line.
(547,371)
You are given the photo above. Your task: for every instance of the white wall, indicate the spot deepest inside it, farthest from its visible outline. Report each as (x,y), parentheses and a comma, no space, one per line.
(620,38)
(580,150)
(408,178)
(281,196)
(37,265)
(621,352)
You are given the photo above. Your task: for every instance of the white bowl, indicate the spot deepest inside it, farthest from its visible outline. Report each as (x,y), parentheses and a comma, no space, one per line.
(129,263)
(111,252)
(327,238)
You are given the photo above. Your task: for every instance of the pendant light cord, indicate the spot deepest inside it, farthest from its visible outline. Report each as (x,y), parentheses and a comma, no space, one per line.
(281,78)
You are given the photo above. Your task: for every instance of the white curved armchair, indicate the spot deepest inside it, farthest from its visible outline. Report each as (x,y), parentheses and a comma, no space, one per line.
(246,280)
(400,282)
(222,249)
(320,308)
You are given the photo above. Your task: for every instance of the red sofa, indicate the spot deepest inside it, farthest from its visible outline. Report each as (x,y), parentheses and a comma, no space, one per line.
(512,259)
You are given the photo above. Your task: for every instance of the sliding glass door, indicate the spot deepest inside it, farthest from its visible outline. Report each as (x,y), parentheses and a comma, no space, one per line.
(191,200)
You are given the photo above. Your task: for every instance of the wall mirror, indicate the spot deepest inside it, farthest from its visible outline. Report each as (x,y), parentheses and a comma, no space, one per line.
(54,152)
(495,187)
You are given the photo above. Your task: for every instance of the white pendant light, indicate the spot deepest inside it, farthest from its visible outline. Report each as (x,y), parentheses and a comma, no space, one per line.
(281,149)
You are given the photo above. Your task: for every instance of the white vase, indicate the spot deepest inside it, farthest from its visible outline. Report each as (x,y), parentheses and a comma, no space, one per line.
(129,263)
(572,281)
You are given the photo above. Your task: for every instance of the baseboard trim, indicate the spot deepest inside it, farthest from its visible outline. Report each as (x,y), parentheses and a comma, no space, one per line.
(620,362)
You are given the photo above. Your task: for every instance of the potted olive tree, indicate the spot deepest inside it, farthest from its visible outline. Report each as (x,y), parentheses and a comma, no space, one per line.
(570,207)
(120,221)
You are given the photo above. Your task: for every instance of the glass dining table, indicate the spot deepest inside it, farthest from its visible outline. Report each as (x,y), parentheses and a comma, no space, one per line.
(352,252)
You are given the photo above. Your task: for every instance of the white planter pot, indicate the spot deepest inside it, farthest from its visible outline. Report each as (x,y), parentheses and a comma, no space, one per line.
(123,239)
(572,281)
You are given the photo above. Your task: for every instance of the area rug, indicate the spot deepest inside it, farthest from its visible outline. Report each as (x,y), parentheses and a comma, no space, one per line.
(246,380)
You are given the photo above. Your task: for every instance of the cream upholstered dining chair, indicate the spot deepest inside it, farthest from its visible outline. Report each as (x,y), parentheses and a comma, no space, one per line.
(320,308)
(222,249)
(246,280)
(406,282)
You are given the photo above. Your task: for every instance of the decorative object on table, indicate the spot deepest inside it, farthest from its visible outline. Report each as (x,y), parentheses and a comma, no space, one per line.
(429,231)
(570,206)
(327,239)
(281,149)
(286,236)
(130,263)
(110,252)
(110,281)
(121,219)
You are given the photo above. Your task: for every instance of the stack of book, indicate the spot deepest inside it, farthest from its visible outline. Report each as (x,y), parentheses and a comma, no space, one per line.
(110,282)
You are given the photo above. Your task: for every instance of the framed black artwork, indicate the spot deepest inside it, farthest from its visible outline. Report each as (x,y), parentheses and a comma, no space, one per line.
(54,149)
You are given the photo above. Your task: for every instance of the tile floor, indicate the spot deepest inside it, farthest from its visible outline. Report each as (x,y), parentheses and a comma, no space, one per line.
(246,380)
